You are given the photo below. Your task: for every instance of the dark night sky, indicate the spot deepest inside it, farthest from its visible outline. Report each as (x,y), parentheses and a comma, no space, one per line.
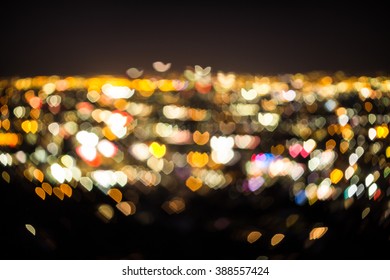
(108,38)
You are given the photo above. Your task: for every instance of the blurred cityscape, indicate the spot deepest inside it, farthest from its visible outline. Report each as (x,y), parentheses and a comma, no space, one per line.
(195,165)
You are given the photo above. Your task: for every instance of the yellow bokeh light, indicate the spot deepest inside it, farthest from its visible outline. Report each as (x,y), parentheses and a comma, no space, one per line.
(253,236)
(40,192)
(38,174)
(157,150)
(317,233)
(201,138)
(47,188)
(193,183)
(336,175)
(66,189)
(115,194)
(196,159)
(277,238)
(58,193)
(31,229)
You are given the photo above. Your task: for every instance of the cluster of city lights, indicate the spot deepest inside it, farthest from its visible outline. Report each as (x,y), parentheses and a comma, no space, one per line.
(326,137)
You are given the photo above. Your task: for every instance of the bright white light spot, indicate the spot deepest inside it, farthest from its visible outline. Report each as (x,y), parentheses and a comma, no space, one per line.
(249,94)
(103,115)
(327,158)
(40,154)
(164,129)
(140,151)
(54,100)
(104,178)
(309,145)
(369,179)
(68,174)
(220,156)
(117,123)
(365,92)
(117,119)
(222,149)
(313,163)
(353,158)
(58,172)
(5,159)
(86,183)
(76,173)
(119,132)
(67,161)
(117,92)
(21,156)
(296,172)
(269,120)
(343,120)
(265,119)
(352,190)
(121,178)
(279,168)
(19,111)
(372,133)
(372,189)
(49,88)
(87,138)
(324,192)
(221,143)
(54,128)
(175,112)
(89,153)
(289,95)
(107,148)
(349,172)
